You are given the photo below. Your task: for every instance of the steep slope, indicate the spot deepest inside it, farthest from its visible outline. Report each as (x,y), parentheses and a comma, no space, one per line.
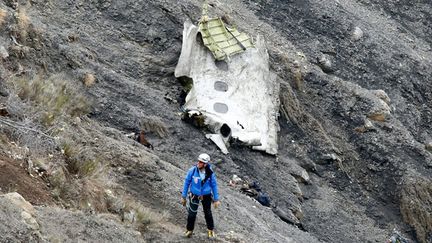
(355,114)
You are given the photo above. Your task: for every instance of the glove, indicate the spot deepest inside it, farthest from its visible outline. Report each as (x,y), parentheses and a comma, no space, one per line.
(183,202)
(216,204)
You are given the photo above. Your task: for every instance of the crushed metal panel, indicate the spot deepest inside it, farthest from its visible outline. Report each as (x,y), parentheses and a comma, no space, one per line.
(221,40)
(242,98)
(219,141)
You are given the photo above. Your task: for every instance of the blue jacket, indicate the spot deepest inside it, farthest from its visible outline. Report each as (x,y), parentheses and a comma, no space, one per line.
(193,182)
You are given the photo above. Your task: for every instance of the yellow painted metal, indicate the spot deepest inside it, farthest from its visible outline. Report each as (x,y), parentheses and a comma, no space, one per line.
(221,40)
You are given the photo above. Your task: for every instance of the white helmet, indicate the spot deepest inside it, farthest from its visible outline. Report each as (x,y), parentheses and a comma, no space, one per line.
(204,158)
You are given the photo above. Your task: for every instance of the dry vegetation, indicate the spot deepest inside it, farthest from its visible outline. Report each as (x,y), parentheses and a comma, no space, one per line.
(293,111)
(25,35)
(89,80)
(47,119)
(53,97)
(416,207)
(133,212)
(3,16)
(88,153)
(290,69)
(297,76)
(23,22)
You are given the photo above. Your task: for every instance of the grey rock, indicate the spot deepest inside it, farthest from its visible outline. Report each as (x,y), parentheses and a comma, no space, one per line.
(357,33)
(330,158)
(26,223)
(300,174)
(294,168)
(3,53)
(382,95)
(68,226)
(286,216)
(293,186)
(20,217)
(325,63)
(428,146)
(368,124)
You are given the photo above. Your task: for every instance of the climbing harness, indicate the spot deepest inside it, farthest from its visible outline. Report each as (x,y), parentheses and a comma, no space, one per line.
(191,204)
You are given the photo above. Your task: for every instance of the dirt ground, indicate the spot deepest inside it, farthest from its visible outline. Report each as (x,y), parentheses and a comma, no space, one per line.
(14,178)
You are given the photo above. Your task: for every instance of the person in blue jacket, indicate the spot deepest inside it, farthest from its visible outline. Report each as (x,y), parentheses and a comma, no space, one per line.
(200,185)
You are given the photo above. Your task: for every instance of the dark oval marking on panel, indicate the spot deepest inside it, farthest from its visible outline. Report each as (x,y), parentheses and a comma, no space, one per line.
(220,108)
(221,86)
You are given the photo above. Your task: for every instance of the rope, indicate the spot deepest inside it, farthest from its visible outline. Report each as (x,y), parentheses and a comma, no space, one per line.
(190,201)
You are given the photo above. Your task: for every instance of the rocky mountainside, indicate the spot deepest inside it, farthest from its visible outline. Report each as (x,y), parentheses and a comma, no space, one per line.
(80,78)
(26,223)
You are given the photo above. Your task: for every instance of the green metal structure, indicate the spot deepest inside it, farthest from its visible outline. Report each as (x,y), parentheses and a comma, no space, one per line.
(220,39)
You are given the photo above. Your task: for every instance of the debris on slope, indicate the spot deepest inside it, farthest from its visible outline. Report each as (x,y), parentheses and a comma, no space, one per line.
(221,40)
(237,97)
(132,48)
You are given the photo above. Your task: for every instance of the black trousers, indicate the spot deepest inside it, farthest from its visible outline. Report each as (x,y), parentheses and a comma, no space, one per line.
(193,210)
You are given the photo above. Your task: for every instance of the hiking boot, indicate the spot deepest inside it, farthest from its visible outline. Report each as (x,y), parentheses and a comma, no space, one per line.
(188,233)
(211,234)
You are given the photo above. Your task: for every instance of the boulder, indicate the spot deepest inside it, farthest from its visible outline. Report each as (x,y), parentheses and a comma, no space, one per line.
(325,64)
(26,223)
(382,95)
(300,174)
(19,214)
(367,126)
(286,216)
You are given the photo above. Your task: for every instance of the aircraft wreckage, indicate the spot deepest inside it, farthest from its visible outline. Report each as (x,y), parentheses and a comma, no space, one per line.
(233,92)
